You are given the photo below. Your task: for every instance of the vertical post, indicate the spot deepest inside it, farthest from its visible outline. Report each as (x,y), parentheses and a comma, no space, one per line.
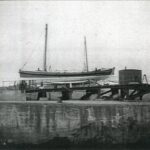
(86,59)
(98,92)
(45,52)
(49,96)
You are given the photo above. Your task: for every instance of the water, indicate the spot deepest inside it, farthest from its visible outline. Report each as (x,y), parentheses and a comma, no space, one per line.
(74,148)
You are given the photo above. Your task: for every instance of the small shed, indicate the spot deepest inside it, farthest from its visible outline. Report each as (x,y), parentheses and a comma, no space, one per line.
(130,76)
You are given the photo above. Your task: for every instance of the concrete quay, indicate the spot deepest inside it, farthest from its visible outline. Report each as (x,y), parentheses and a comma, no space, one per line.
(78,122)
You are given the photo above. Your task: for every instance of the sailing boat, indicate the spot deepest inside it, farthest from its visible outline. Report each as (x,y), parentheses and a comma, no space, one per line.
(67,77)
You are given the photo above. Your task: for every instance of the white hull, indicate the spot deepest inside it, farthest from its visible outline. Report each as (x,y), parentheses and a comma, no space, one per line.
(71,79)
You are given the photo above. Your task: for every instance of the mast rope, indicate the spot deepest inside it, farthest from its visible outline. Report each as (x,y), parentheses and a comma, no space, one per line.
(33,50)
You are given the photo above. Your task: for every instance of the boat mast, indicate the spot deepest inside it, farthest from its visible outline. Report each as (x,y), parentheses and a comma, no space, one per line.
(45,51)
(86,58)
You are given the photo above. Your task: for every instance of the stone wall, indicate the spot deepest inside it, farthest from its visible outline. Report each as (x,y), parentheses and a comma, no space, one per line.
(79,122)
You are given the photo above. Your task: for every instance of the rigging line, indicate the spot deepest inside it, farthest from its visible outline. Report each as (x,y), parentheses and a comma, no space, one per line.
(33,50)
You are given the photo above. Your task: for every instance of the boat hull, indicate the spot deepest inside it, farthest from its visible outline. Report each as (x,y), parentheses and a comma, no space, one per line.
(67,77)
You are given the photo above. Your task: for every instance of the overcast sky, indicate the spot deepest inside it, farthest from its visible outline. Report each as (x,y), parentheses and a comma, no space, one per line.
(118,35)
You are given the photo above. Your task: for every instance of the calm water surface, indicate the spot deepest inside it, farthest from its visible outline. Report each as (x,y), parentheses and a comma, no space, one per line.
(74,148)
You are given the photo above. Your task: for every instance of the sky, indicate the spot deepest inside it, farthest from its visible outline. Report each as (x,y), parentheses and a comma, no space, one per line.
(117,35)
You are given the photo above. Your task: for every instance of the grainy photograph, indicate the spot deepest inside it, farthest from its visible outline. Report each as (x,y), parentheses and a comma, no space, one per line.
(74,75)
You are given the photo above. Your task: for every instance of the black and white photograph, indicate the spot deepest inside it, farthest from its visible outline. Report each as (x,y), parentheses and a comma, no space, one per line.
(75,75)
